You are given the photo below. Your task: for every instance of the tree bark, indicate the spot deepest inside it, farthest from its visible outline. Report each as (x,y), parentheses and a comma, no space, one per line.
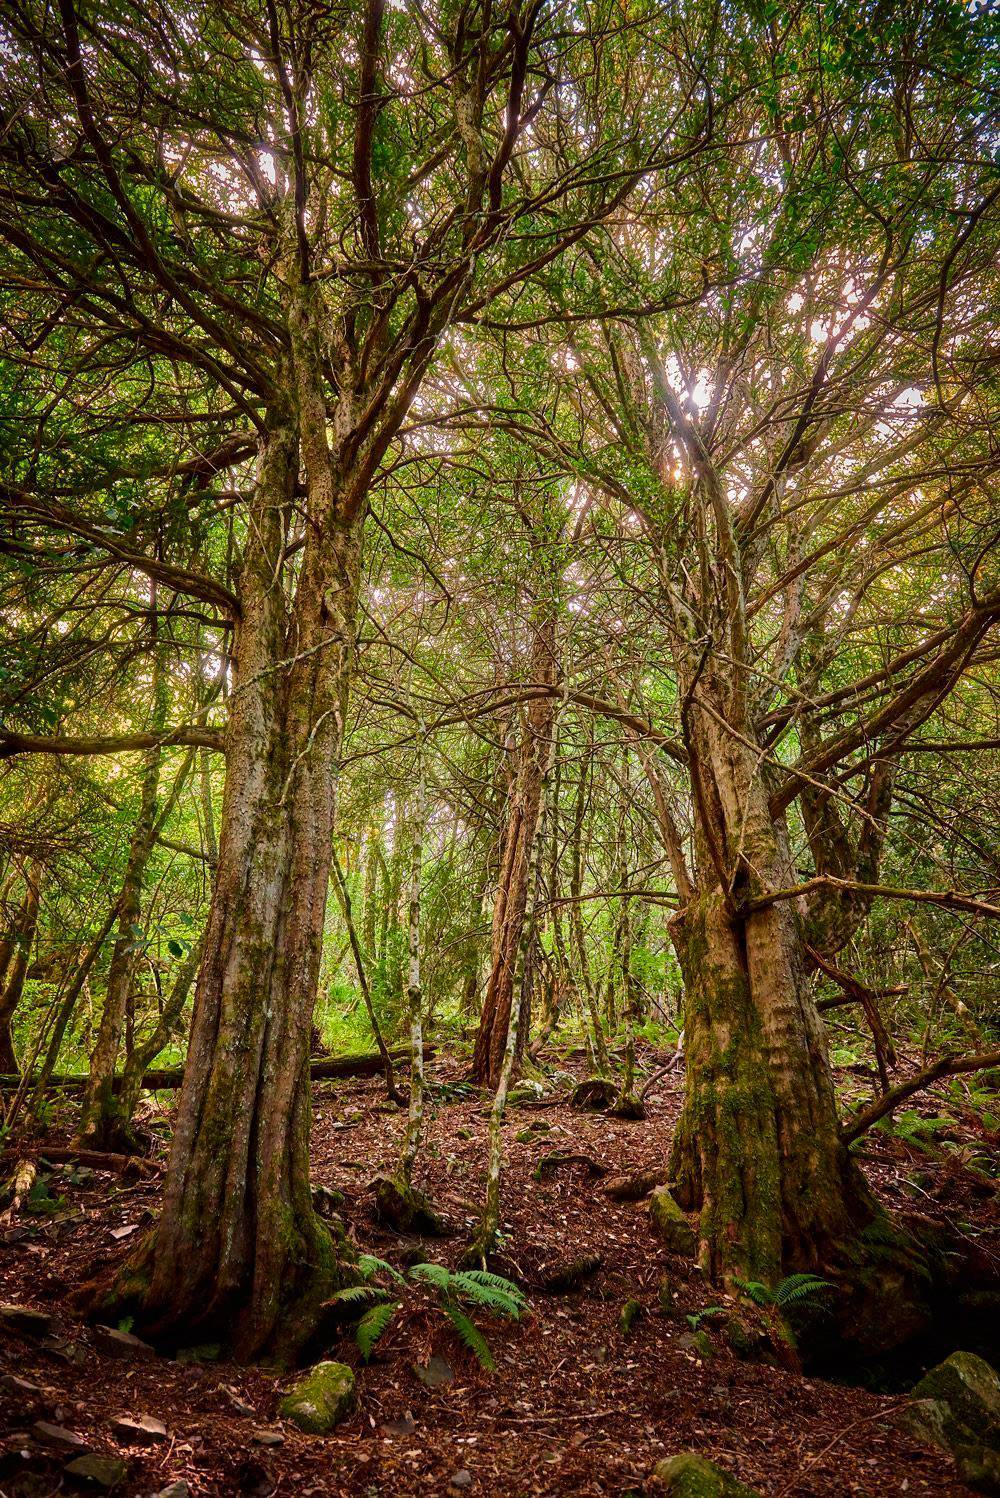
(238,1249)
(757,1148)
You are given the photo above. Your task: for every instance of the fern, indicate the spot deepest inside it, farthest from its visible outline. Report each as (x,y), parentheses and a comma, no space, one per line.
(369,1265)
(371,1326)
(799,1287)
(471,1336)
(437,1275)
(756,1291)
(354,1295)
(787,1292)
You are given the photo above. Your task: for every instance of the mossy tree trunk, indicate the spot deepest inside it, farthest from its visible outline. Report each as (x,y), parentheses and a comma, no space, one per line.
(758,1147)
(239,1251)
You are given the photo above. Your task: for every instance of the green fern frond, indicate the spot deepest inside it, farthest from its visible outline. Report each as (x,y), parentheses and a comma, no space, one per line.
(371,1326)
(756,1291)
(799,1287)
(471,1336)
(369,1265)
(352,1294)
(497,1282)
(437,1275)
(492,1297)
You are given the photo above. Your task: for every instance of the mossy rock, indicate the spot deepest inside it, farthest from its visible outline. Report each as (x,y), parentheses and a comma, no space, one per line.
(628,1107)
(670,1224)
(958,1404)
(595,1093)
(406,1210)
(320,1399)
(689,1476)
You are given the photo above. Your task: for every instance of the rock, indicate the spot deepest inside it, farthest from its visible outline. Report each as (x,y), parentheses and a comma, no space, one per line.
(144,1431)
(327,1200)
(744,1340)
(14,1385)
(527,1091)
(463,1133)
(980,1468)
(404,1209)
(461,1479)
(267,1437)
(404,1426)
(176,1489)
(628,1107)
(58,1435)
(595,1093)
(957,1406)
(689,1476)
(670,1225)
(93,1471)
(320,1399)
(435,1374)
(26,1320)
(570,1274)
(117,1344)
(631,1312)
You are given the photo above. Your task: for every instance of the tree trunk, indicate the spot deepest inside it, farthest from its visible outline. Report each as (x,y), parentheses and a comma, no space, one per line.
(758,1146)
(238,1250)
(512,889)
(18,955)
(101,1126)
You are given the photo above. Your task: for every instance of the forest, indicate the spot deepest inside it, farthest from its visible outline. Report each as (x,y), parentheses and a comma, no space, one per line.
(499,747)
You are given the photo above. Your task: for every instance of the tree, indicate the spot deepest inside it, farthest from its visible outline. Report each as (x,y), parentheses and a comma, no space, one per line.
(290,209)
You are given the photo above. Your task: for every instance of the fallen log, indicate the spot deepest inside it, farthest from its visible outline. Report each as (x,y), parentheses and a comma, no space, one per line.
(97,1159)
(322,1069)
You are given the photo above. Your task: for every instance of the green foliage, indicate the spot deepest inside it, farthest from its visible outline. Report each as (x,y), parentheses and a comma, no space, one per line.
(792,1291)
(372,1324)
(454,1292)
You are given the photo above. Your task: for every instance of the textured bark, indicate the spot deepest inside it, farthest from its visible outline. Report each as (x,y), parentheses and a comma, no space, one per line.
(758,1147)
(238,1247)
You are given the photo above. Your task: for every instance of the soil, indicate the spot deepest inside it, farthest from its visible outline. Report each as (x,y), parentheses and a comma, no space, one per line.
(574,1407)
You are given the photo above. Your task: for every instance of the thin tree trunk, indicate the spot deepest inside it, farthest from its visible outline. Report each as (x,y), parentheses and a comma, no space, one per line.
(18,957)
(414,991)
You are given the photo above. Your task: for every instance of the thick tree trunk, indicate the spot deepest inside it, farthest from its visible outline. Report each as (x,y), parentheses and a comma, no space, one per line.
(238,1249)
(758,1146)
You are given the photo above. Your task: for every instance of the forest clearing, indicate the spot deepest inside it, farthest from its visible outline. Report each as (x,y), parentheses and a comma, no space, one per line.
(499,747)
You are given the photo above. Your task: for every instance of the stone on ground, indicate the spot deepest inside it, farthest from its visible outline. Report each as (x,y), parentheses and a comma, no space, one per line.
(957,1406)
(690,1476)
(143,1430)
(320,1399)
(93,1471)
(670,1225)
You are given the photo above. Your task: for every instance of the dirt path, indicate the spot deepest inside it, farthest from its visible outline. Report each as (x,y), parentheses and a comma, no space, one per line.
(575,1407)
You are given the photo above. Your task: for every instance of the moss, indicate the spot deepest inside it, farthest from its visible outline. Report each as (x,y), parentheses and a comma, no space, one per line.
(321,1399)
(670,1225)
(689,1476)
(965,1393)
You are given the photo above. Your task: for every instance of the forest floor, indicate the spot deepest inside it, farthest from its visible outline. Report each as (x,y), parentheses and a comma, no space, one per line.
(574,1406)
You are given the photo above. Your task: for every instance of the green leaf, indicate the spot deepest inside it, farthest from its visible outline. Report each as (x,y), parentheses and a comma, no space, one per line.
(371,1326)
